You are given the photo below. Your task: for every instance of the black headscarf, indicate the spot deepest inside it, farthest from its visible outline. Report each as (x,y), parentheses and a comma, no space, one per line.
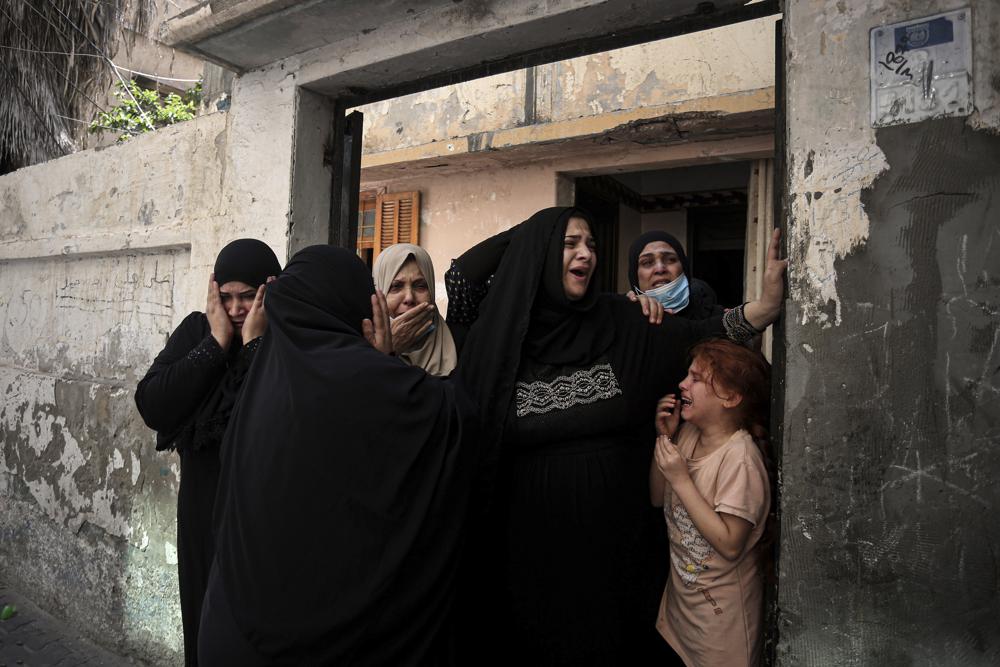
(702,300)
(248,261)
(345,476)
(563,331)
(645,239)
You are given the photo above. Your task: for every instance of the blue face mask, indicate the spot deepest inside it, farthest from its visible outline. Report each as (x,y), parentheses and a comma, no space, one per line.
(673,296)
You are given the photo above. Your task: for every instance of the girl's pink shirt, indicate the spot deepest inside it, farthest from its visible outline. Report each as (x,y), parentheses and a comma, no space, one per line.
(711,609)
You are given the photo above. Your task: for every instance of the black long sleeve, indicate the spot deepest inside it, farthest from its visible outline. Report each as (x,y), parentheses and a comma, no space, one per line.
(480,261)
(468,281)
(181,376)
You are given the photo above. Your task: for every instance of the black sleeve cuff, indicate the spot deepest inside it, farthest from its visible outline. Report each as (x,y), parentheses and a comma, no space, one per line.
(207,353)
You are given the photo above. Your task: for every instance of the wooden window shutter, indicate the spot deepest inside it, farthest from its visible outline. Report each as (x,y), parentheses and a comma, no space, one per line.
(397,220)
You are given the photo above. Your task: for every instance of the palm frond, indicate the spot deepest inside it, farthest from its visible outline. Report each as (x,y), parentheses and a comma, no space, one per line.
(54,70)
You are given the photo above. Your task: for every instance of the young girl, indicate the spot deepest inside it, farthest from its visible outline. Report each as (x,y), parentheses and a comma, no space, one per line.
(711,479)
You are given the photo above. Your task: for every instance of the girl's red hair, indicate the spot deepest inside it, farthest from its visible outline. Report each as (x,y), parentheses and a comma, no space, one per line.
(736,369)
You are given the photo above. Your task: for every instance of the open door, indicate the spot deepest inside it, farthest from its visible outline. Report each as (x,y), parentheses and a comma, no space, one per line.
(776,203)
(346,182)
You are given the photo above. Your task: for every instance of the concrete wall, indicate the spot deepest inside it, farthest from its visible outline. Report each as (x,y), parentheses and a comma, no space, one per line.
(102,253)
(890,455)
(725,70)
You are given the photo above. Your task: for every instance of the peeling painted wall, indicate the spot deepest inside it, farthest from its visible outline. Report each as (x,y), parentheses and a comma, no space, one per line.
(715,63)
(102,253)
(891,422)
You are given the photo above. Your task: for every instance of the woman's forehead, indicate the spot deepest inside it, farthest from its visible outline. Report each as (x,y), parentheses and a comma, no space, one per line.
(409,270)
(576,226)
(658,248)
(236,287)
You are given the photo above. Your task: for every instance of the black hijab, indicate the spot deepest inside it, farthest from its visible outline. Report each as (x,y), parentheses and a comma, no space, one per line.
(247,260)
(702,301)
(526,311)
(341,467)
(561,331)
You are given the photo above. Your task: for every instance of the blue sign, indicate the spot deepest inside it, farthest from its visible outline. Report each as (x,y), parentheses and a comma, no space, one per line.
(922,35)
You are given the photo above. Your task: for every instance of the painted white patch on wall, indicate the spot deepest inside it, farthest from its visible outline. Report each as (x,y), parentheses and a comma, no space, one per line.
(102,514)
(829,227)
(170,552)
(71,461)
(135,468)
(44,495)
(27,409)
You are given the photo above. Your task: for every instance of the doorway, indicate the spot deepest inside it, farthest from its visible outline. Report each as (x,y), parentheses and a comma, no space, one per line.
(703,206)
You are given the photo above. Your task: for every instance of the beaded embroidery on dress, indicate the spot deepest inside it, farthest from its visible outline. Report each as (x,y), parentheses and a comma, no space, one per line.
(589,385)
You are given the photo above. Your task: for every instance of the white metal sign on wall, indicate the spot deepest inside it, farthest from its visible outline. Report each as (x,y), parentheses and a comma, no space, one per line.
(922,69)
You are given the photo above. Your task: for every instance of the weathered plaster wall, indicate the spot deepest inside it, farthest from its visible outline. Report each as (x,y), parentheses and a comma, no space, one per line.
(643,81)
(890,452)
(102,253)
(456,212)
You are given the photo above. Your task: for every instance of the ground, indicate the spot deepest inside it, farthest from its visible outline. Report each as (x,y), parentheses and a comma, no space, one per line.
(34,638)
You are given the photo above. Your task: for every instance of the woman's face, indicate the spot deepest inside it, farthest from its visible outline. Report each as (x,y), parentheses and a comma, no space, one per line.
(407,290)
(658,265)
(237,298)
(579,258)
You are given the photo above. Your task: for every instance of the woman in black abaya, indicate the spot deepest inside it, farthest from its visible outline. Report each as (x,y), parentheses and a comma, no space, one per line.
(188,395)
(344,487)
(567,380)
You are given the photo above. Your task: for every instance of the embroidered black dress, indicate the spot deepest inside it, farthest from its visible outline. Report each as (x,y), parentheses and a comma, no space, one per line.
(571,528)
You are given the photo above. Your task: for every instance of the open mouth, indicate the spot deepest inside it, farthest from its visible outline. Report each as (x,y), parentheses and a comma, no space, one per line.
(660,283)
(686,401)
(579,273)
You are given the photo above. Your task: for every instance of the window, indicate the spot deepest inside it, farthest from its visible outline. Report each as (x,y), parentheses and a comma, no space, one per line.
(385,219)
(367,202)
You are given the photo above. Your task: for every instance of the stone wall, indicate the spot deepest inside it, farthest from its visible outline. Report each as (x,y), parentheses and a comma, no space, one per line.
(724,70)
(891,419)
(102,253)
